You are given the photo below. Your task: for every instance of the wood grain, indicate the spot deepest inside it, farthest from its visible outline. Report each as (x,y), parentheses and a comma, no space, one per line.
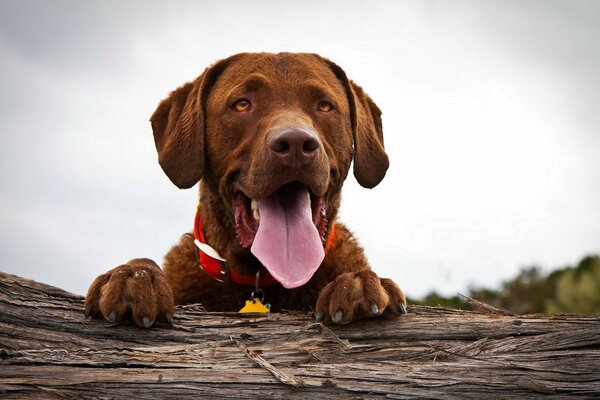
(48,350)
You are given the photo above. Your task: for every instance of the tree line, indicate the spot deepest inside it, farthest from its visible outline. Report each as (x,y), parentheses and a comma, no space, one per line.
(572,289)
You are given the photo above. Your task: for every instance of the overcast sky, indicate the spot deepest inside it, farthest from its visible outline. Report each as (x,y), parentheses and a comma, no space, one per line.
(490,109)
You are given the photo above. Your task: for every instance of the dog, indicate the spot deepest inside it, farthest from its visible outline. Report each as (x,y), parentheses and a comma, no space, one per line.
(270,138)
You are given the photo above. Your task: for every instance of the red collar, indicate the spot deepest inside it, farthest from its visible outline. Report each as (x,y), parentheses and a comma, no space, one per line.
(218,270)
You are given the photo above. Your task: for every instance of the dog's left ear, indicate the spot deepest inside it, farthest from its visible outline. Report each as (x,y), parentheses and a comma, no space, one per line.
(178,127)
(370,160)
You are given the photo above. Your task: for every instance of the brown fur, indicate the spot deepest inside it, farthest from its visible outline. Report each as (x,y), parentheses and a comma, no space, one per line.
(199,137)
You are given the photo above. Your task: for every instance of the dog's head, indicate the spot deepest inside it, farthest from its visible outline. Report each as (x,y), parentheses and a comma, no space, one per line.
(274,136)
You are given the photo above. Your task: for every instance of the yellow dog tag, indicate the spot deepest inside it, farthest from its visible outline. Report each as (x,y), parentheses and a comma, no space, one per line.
(255,306)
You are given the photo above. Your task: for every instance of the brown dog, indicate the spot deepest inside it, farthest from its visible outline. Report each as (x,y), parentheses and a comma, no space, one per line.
(271,137)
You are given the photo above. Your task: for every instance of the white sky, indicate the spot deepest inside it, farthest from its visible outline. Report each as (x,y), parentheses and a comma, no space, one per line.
(490,112)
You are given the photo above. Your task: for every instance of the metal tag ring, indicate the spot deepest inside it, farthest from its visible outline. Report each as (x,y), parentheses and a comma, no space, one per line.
(256,292)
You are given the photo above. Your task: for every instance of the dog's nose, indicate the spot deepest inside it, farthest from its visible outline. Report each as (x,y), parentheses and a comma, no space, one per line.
(294,147)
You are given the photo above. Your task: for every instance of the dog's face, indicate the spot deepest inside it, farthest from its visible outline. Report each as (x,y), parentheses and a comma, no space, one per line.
(273,135)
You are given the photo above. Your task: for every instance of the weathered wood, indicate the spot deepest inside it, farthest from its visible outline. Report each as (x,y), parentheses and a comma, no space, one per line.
(48,350)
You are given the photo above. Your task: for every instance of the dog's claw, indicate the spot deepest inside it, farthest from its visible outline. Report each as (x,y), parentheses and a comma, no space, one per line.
(338,316)
(401,307)
(112,316)
(146,322)
(169,318)
(88,310)
(319,316)
(374,309)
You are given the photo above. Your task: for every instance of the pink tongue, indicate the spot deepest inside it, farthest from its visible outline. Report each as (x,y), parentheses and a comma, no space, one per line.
(287,242)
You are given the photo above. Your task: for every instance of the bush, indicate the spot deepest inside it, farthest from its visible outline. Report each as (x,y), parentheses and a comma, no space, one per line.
(566,290)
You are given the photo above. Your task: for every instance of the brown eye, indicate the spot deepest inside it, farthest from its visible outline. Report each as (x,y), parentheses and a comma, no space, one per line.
(325,106)
(241,105)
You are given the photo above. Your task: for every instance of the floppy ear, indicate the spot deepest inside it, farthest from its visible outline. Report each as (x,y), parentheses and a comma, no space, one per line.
(178,127)
(370,160)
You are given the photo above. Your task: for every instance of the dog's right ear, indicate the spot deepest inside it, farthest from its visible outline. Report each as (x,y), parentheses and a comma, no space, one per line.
(178,127)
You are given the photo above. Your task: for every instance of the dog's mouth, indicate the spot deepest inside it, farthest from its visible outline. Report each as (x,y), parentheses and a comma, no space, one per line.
(284,230)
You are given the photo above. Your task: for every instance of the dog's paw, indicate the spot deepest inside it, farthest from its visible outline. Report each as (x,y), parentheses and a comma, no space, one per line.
(136,291)
(357,295)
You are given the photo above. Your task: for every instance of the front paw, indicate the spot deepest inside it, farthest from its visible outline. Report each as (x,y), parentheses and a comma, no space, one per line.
(136,291)
(357,295)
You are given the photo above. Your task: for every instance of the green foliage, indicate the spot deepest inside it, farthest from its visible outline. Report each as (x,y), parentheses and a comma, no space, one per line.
(434,299)
(566,290)
(578,290)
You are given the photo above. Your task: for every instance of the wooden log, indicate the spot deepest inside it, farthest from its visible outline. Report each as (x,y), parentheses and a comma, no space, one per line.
(48,350)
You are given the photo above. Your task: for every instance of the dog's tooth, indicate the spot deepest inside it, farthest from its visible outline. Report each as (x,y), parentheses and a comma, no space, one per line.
(256,215)
(254,204)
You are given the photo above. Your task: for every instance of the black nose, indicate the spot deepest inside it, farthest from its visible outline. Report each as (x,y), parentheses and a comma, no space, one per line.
(294,147)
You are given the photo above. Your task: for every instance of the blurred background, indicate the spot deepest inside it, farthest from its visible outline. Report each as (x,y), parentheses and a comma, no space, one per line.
(491,121)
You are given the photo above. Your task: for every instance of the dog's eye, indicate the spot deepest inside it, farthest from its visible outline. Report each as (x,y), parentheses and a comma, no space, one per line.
(241,105)
(325,106)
